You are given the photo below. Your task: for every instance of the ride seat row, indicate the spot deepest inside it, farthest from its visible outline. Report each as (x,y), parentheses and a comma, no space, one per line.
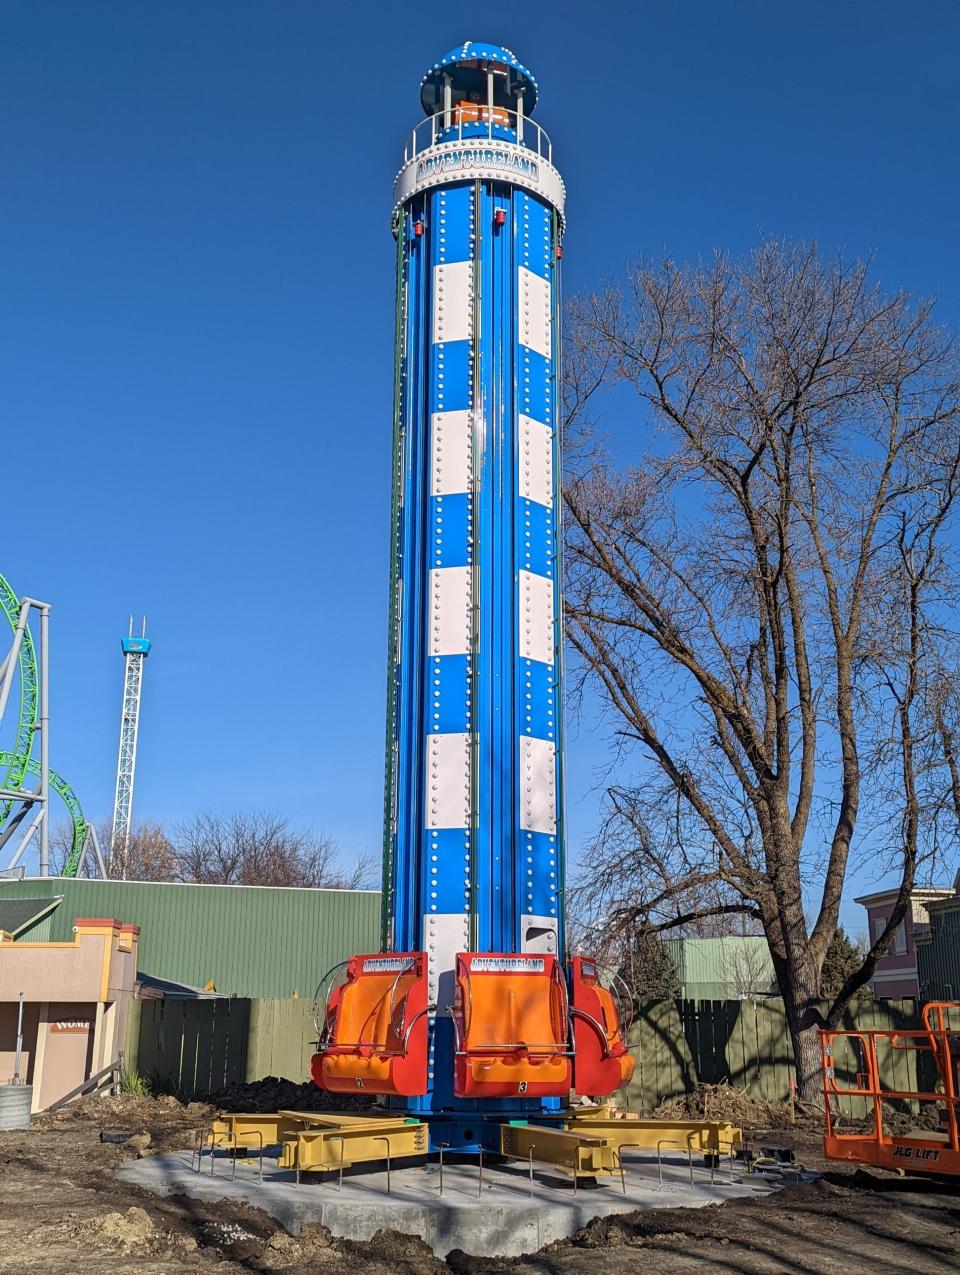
(522,1028)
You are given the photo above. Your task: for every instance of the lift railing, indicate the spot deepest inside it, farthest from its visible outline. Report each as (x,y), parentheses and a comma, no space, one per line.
(932,1144)
(472,122)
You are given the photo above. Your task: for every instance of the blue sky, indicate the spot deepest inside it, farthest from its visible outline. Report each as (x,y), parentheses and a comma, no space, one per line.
(196,326)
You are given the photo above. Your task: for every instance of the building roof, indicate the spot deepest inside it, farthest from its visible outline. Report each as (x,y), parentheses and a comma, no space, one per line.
(246,940)
(22,914)
(949,903)
(152,988)
(921,892)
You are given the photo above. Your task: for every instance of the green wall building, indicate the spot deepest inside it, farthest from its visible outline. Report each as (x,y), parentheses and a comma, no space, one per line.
(244,940)
(730,967)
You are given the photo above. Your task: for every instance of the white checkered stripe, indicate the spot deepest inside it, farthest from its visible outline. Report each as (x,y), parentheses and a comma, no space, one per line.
(536,318)
(448,781)
(451,618)
(536,617)
(536,461)
(538,781)
(451,453)
(453,301)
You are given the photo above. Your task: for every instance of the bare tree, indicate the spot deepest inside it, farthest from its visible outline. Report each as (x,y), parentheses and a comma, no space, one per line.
(61,843)
(255,847)
(764,598)
(149,856)
(639,958)
(744,966)
(260,847)
(724,925)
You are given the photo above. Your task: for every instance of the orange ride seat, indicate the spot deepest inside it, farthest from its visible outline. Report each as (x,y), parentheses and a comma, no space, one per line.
(601,1061)
(479,113)
(511,1021)
(375,1036)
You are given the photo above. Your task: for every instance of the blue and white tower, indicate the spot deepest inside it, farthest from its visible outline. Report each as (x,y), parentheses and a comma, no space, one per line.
(469,1011)
(473,828)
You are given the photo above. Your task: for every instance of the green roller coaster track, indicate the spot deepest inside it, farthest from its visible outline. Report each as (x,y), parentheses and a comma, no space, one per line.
(20,762)
(27,720)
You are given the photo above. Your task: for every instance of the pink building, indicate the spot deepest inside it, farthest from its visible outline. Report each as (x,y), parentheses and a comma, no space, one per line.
(896,974)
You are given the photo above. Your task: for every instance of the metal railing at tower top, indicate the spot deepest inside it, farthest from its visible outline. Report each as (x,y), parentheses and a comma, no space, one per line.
(471,121)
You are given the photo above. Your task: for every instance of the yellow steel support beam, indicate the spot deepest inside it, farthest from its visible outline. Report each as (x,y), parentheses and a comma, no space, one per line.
(578,1154)
(242,1130)
(340,1146)
(703,1137)
(329,1119)
(234,1130)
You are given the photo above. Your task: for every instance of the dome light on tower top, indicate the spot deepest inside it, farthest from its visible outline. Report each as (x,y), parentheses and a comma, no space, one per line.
(466,68)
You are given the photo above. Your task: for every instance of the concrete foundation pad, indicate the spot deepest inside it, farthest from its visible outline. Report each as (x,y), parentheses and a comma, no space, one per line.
(505,1220)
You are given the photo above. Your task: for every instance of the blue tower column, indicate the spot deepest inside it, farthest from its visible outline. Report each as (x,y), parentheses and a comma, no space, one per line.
(468,1015)
(473,833)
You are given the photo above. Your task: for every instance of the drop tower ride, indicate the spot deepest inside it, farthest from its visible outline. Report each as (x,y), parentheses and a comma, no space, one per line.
(469,1012)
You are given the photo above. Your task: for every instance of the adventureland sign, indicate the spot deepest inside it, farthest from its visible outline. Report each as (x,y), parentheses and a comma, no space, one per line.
(480,161)
(468,161)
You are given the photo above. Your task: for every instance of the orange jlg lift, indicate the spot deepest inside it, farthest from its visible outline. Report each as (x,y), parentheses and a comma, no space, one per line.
(873,1058)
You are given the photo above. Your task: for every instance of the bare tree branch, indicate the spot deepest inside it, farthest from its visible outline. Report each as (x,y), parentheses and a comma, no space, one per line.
(763,599)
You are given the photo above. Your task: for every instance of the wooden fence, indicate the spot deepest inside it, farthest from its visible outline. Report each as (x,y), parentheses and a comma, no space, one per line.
(196,1047)
(678,1043)
(190,1047)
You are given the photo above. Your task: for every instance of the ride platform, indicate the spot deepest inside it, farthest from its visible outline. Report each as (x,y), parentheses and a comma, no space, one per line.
(358,1174)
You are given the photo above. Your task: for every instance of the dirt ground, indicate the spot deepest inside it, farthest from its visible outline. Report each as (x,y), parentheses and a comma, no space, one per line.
(61,1210)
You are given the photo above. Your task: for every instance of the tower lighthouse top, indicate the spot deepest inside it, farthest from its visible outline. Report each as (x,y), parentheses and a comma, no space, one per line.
(478,99)
(467,67)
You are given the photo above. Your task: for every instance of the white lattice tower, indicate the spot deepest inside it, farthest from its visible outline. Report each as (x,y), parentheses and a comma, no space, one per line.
(135,651)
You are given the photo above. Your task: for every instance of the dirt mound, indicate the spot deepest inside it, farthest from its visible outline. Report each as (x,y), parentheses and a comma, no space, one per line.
(281,1251)
(311,1248)
(723,1102)
(131,1111)
(135,1232)
(275,1093)
(166,1114)
(132,1232)
(897,1121)
(391,1251)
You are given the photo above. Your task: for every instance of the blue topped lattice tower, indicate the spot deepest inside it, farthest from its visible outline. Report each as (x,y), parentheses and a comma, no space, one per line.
(135,651)
(473,856)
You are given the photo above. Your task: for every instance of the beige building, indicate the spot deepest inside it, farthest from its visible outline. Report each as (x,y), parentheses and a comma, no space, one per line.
(76,999)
